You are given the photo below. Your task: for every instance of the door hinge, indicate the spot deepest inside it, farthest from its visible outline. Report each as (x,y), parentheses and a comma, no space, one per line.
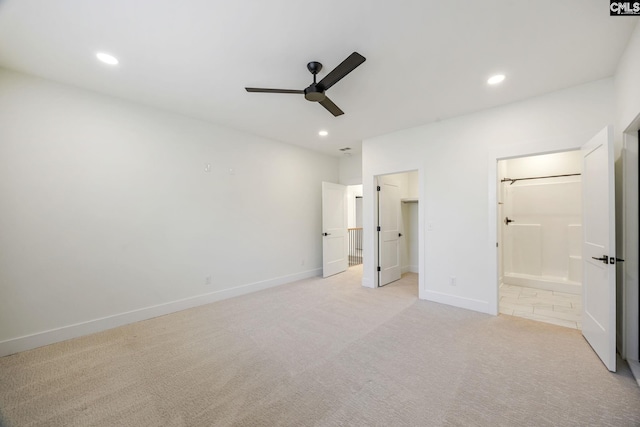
(379,269)
(378,228)
(378,188)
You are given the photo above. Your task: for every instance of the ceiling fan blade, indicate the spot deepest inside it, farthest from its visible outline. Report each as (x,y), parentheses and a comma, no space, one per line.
(345,67)
(258,89)
(333,108)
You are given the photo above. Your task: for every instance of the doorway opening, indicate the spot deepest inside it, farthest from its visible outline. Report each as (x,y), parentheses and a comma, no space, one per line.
(397,228)
(540,238)
(342,229)
(598,255)
(354,224)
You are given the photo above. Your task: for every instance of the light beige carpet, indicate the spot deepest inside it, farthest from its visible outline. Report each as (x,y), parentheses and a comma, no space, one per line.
(320,353)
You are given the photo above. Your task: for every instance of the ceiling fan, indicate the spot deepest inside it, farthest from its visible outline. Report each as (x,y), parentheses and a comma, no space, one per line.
(316,91)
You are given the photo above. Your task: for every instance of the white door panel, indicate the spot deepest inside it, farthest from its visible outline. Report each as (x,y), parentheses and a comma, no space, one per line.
(334,229)
(599,272)
(388,238)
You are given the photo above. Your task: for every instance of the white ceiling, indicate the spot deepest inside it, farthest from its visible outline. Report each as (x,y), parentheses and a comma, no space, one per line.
(426,59)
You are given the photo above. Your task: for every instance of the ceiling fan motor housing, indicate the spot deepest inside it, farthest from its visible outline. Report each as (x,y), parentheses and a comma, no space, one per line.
(314,93)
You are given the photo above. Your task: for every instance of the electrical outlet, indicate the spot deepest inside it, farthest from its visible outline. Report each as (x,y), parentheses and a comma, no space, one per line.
(207,280)
(207,167)
(452,281)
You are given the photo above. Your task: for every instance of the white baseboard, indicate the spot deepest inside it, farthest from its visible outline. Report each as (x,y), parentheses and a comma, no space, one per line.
(546,284)
(456,301)
(28,342)
(409,269)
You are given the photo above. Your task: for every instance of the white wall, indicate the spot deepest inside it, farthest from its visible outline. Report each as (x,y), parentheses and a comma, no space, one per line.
(456,162)
(351,169)
(627,84)
(410,249)
(413,190)
(353,191)
(107,208)
(627,96)
(568,162)
(410,253)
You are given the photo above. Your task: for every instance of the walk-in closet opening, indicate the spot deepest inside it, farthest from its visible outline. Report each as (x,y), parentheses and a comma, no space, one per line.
(397,227)
(540,238)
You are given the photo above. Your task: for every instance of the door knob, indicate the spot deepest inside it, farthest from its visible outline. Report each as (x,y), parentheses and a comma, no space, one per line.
(507,220)
(326,234)
(604,259)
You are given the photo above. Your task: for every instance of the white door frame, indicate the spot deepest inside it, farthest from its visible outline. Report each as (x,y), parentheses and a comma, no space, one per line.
(629,244)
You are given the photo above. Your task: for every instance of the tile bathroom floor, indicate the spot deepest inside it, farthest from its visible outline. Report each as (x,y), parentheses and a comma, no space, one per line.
(554,307)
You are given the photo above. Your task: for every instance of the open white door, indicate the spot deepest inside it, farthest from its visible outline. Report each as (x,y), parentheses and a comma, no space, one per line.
(334,229)
(599,272)
(388,232)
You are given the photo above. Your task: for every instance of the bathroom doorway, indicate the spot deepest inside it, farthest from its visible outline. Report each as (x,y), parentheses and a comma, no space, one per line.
(540,238)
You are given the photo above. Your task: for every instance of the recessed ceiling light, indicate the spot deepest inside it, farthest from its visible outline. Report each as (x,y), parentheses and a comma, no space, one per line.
(106,58)
(323,133)
(494,80)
